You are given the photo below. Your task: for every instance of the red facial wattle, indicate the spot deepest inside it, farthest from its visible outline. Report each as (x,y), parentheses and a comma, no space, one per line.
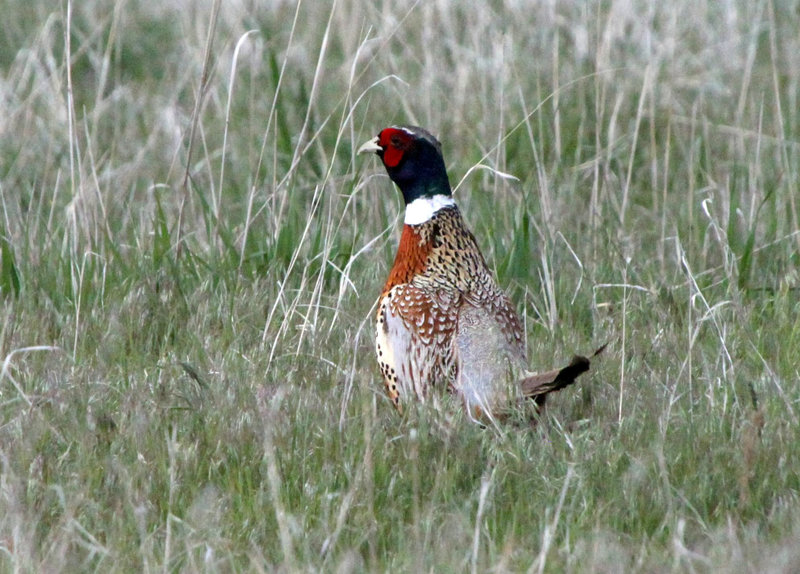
(394,143)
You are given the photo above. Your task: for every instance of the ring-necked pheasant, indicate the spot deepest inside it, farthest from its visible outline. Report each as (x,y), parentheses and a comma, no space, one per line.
(442,320)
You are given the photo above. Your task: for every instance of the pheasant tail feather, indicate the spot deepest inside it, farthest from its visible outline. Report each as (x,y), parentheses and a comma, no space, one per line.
(540,384)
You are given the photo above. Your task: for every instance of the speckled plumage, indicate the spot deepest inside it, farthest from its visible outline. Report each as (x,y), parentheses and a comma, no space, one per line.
(438,272)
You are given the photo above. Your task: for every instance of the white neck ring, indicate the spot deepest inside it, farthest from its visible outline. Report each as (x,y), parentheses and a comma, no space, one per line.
(423,208)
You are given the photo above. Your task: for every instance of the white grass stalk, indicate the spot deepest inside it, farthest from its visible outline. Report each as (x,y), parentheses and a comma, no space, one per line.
(267,131)
(252,193)
(366,326)
(73,171)
(281,516)
(486,485)
(5,372)
(664,196)
(550,529)
(549,290)
(300,148)
(231,82)
(711,311)
(299,152)
(172,447)
(495,172)
(364,474)
(775,53)
(624,342)
(195,122)
(580,266)
(778,386)
(646,87)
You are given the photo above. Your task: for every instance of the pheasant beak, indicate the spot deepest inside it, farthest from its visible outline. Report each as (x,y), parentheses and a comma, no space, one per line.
(370,146)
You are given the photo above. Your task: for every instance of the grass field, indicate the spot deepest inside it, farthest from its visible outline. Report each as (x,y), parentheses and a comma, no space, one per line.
(191,253)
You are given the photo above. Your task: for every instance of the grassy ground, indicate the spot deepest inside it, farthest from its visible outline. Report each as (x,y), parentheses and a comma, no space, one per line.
(191,254)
